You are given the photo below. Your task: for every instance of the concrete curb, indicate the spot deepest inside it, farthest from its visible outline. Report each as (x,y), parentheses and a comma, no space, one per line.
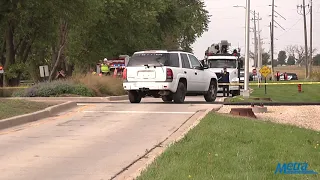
(142,164)
(75,99)
(118,98)
(272,103)
(35,116)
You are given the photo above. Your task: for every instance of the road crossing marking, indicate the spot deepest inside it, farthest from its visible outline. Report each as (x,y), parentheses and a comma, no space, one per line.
(140,112)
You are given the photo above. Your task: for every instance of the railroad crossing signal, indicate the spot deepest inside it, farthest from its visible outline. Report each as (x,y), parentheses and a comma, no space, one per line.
(265,71)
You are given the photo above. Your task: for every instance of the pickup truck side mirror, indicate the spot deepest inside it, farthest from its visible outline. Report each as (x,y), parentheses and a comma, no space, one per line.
(199,68)
(205,66)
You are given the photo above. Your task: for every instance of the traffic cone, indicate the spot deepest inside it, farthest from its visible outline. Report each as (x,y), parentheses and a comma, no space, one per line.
(115,72)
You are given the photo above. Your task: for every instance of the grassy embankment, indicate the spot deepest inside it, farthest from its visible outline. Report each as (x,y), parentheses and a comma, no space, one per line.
(10,108)
(223,147)
(282,93)
(286,93)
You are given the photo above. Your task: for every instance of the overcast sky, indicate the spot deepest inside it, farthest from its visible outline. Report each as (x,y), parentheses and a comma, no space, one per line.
(228,23)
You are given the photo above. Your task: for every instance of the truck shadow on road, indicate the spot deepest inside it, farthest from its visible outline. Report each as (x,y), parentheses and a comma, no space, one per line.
(158,102)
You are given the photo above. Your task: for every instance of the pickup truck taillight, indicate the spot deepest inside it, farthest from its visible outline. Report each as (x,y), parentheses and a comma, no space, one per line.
(124,74)
(169,75)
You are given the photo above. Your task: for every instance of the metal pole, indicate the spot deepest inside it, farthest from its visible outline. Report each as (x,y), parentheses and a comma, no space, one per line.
(305,37)
(259,43)
(255,39)
(246,92)
(272,39)
(311,60)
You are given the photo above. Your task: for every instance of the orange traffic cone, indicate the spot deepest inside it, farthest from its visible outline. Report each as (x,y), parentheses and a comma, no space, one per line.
(115,73)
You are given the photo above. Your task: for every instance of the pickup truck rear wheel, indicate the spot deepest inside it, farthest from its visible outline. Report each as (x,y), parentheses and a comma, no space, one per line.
(180,94)
(134,97)
(211,95)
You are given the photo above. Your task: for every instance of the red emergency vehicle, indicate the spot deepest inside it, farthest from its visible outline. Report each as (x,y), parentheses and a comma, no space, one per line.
(117,65)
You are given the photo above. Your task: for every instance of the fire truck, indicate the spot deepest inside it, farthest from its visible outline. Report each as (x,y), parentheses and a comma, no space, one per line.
(221,55)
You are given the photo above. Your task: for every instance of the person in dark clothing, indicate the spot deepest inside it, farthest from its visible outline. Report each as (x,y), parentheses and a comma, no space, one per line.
(225,79)
(278,76)
(285,75)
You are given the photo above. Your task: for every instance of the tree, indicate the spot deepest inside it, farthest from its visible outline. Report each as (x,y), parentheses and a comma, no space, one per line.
(298,51)
(282,56)
(73,35)
(291,50)
(275,63)
(316,60)
(291,60)
(265,58)
(35,27)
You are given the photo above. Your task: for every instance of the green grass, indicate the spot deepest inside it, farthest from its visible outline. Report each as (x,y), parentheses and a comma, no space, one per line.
(10,108)
(223,147)
(289,93)
(283,93)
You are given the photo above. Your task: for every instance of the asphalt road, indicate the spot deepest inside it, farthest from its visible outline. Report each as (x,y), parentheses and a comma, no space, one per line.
(92,141)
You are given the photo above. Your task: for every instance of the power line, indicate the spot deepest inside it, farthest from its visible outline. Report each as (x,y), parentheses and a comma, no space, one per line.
(290,27)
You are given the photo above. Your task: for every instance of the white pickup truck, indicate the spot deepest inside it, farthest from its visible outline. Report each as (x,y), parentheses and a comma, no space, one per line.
(170,75)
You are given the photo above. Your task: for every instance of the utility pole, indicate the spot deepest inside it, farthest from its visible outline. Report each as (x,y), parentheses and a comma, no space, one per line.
(272,26)
(311,56)
(303,7)
(271,43)
(259,44)
(272,36)
(246,92)
(255,40)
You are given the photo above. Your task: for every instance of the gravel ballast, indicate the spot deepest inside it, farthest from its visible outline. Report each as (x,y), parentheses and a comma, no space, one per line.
(301,116)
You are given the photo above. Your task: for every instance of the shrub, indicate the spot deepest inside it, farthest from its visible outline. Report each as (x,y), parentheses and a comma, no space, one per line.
(81,85)
(315,76)
(54,88)
(102,86)
(8,92)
